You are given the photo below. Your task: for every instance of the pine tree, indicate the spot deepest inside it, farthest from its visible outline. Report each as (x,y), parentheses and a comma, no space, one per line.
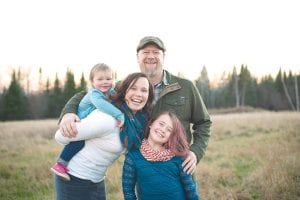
(202,83)
(245,79)
(15,101)
(69,88)
(55,102)
(83,83)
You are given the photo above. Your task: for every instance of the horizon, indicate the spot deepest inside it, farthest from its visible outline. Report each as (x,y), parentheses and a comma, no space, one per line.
(6,73)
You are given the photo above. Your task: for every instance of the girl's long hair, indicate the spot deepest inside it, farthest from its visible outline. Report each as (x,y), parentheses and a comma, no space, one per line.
(177,142)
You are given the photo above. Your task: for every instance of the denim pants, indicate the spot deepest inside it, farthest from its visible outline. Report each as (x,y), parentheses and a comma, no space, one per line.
(71,149)
(79,189)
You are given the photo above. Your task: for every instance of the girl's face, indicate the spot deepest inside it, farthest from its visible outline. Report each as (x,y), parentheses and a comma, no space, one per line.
(137,94)
(102,80)
(160,130)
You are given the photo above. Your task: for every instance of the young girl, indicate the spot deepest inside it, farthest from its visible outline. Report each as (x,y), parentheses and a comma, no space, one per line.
(96,98)
(156,167)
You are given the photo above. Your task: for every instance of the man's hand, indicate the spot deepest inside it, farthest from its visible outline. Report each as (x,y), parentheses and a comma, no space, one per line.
(67,125)
(189,164)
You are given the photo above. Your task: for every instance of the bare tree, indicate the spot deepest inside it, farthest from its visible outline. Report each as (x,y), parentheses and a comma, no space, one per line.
(296,93)
(236,88)
(287,94)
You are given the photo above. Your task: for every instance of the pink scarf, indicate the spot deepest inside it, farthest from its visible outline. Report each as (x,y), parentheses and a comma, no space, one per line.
(153,155)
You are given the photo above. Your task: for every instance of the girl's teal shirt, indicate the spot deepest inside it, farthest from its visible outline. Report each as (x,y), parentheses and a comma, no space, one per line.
(162,180)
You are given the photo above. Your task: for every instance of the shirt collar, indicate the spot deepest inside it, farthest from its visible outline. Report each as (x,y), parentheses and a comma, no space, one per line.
(164,80)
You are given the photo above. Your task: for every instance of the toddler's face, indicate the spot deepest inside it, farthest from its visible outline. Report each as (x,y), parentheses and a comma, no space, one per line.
(103,80)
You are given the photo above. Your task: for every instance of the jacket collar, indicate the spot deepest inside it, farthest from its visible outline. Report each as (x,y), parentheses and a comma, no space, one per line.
(172,85)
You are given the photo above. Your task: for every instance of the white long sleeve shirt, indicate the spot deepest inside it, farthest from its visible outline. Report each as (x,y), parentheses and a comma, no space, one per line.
(100,152)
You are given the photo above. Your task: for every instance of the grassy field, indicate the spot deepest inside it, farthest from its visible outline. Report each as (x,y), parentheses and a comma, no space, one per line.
(250,156)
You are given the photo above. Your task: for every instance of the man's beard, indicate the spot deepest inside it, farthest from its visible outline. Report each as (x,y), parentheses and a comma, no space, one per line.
(152,72)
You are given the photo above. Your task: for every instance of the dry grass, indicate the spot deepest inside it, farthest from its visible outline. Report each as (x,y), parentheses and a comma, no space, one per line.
(250,156)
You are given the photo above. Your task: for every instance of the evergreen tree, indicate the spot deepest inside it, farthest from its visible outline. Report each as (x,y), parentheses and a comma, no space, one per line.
(228,93)
(1,104)
(251,97)
(69,88)
(267,95)
(245,79)
(83,83)
(47,86)
(56,101)
(41,88)
(14,101)
(222,96)
(202,83)
(278,83)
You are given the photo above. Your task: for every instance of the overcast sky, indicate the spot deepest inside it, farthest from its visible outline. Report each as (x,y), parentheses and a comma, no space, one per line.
(218,34)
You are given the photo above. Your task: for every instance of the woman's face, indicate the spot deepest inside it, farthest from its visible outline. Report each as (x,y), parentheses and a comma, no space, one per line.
(137,94)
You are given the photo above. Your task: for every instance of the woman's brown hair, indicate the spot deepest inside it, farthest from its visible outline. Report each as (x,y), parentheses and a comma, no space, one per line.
(126,84)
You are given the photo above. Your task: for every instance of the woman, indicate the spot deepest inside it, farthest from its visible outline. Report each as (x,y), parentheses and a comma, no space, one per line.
(88,167)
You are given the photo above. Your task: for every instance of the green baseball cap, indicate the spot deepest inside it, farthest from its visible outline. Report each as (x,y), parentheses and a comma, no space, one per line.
(151,40)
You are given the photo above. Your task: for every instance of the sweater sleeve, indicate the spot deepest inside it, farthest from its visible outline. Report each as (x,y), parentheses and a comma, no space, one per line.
(129,179)
(72,104)
(101,103)
(189,186)
(201,124)
(90,127)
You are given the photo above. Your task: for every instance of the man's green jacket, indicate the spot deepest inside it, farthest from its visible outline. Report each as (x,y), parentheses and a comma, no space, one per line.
(181,96)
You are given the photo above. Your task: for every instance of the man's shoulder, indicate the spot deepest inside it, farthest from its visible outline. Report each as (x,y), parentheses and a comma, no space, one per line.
(182,81)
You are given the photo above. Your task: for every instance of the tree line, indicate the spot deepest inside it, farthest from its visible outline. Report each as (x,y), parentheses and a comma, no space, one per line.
(236,89)
(242,89)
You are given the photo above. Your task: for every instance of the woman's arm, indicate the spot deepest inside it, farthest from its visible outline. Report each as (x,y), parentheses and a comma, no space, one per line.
(96,124)
(189,186)
(128,179)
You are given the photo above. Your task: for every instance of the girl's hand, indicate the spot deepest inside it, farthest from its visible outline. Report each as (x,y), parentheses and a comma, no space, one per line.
(190,163)
(120,124)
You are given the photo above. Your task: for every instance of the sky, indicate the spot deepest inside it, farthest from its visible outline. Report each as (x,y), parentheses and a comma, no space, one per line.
(218,34)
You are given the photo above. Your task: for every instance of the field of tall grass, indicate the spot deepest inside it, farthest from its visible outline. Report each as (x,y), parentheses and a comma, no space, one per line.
(250,156)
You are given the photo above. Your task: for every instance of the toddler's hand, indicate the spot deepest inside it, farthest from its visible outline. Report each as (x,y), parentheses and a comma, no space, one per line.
(120,124)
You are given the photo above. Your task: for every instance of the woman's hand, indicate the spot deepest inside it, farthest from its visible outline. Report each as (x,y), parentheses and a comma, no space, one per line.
(190,163)
(67,125)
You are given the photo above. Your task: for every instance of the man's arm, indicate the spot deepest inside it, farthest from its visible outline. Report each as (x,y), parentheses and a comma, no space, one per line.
(201,125)
(72,105)
(68,116)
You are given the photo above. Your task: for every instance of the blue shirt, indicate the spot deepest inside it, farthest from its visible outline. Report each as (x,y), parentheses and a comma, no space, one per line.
(163,180)
(95,99)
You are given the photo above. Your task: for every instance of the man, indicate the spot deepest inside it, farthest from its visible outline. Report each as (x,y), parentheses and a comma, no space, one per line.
(171,93)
